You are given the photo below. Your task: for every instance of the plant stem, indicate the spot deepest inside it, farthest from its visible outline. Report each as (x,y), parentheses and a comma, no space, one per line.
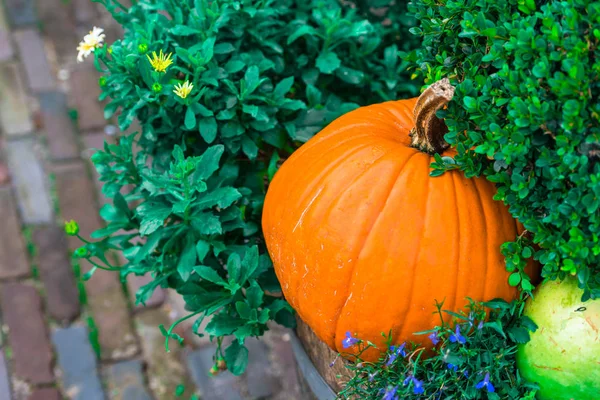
(428,133)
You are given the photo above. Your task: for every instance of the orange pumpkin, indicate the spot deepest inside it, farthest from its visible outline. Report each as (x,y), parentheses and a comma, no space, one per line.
(364,240)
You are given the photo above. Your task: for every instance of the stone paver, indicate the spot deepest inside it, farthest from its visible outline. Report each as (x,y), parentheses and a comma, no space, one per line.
(32,353)
(59,129)
(45,394)
(135,282)
(77,361)
(106,299)
(222,386)
(126,381)
(59,28)
(4,379)
(85,11)
(92,142)
(259,377)
(83,96)
(15,117)
(29,179)
(62,296)
(13,255)
(6,49)
(76,198)
(165,370)
(31,48)
(21,12)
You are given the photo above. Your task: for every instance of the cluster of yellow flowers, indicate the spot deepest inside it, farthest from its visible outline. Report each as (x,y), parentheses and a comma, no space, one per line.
(160,62)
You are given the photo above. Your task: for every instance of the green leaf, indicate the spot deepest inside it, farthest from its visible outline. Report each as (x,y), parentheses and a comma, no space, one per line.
(243,309)
(254,294)
(208,129)
(249,265)
(223,324)
(234,267)
(209,274)
(236,357)
(328,62)
(190,119)
(514,279)
(187,259)
(182,30)
(283,87)
(209,162)
(301,31)
(202,249)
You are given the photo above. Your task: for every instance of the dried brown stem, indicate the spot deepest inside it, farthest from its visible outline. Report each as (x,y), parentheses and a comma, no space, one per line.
(428,133)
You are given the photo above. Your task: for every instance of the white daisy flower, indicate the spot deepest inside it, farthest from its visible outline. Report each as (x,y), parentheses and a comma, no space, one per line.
(90,43)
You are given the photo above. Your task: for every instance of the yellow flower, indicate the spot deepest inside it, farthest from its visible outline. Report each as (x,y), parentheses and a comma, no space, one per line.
(160,62)
(183,90)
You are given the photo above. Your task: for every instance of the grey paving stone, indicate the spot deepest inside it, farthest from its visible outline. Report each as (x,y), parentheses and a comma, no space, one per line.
(21,12)
(15,116)
(4,378)
(62,296)
(45,394)
(165,371)
(259,380)
(6,49)
(29,179)
(27,335)
(13,255)
(58,127)
(78,365)
(126,381)
(219,387)
(33,56)
(83,96)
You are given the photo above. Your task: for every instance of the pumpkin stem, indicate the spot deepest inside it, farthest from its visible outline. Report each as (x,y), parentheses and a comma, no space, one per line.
(428,133)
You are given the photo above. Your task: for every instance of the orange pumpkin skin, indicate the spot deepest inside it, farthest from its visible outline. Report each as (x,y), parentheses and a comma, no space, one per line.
(364,240)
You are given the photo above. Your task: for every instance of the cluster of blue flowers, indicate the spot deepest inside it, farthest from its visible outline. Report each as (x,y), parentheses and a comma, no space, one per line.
(457,336)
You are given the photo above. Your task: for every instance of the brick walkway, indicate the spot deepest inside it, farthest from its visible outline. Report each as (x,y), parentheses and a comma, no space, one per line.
(61,338)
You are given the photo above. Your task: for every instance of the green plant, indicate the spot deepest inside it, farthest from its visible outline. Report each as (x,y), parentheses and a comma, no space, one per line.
(223,91)
(526,114)
(472,358)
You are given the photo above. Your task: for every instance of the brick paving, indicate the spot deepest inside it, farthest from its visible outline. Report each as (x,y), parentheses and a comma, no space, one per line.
(62,338)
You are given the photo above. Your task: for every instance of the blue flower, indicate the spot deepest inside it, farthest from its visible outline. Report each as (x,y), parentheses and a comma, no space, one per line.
(457,337)
(418,385)
(349,341)
(434,338)
(480,326)
(466,373)
(452,367)
(485,383)
(418,388)
(390,393)
(395,352)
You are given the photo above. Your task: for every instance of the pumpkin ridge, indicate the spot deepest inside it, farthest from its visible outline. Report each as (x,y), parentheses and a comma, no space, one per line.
(329,168)
(331,208)
(417,255)
(365,240)
(487,245)
(317,140)
(454,286)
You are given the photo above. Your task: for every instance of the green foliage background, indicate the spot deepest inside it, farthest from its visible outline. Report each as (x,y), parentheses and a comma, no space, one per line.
(188,190)
(527,115)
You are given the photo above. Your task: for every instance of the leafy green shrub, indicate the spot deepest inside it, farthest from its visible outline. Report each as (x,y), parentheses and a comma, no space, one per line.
(223,91)
(527,115)
(472,359)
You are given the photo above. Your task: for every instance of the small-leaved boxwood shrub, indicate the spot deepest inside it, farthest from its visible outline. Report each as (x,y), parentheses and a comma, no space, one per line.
(223,92)
(526,114)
